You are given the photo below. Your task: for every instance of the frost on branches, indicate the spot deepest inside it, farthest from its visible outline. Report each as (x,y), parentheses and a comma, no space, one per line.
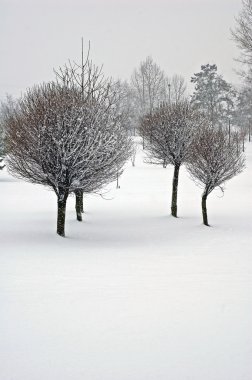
(89,80)
(242,33)
(57,139)
(215,158)
(2,136)
(169,132)
(1,147)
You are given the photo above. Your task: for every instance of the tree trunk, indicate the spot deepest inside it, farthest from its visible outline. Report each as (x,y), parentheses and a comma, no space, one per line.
(204,209)
(1,166)
(117,181)
(79,204)
(61,215)
(175,190)
(82,207)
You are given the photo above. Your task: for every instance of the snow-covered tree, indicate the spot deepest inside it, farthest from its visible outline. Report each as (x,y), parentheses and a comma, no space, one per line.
(169,132)
(56,139)
(215,157)
(126,105)
(148,83)
(243,111)
(5,107)
(1,147)
(152,87)
(89,80)
(213,96)
(242,34)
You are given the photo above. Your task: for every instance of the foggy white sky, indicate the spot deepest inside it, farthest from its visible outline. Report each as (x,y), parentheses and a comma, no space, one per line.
(37,35)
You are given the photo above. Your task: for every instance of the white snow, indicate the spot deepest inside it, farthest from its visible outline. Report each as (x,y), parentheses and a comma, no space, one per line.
(131,293)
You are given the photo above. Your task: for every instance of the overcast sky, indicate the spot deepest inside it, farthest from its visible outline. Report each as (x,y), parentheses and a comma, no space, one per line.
(180,35)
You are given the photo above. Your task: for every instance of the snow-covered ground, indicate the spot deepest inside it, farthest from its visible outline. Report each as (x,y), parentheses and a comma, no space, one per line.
(131,293)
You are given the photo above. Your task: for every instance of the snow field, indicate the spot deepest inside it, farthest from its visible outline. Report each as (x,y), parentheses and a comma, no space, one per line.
(131,293)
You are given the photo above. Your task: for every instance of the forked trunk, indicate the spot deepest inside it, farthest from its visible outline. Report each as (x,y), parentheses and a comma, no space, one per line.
(175,190)
(62,199)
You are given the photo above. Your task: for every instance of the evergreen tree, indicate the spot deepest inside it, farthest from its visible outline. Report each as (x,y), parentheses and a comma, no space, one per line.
(213,96)
(244,106)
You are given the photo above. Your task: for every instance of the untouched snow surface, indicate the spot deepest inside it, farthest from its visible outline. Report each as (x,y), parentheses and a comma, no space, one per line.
(131,293)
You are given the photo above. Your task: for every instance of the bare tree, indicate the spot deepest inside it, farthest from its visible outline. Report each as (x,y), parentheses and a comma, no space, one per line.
(92,85)
(243,111)
(169,132)
(1,147)
(242,34)
(57,140)
(5,107)
(148,81)
(126,105)
(175,89)
(215,158)
(86,76)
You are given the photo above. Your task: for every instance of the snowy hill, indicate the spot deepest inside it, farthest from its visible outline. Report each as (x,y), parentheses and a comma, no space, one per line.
(131,293)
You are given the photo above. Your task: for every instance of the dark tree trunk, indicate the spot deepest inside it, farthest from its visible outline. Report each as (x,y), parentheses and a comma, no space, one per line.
(1,165)
(117,181)
(61,214)
(204,209)
(175,190)
(79,204)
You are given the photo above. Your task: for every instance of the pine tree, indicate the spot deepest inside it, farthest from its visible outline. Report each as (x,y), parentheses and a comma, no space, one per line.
(213,96)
